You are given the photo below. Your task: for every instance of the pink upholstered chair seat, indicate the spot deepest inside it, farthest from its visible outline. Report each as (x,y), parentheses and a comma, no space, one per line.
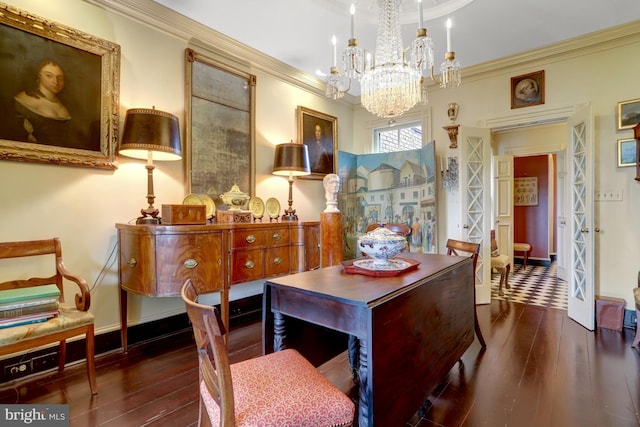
(282,389)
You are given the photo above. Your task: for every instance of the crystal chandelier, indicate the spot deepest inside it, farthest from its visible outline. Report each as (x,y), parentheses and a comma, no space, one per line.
(393,82)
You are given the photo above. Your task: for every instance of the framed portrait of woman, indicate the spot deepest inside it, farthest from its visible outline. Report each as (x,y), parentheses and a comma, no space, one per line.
(59,94)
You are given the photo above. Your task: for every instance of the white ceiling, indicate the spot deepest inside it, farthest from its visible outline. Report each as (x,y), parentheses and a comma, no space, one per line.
(298,32)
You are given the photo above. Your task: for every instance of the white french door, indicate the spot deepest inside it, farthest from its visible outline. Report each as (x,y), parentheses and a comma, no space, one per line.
(562,236)
(581,276)
(475,203)
(503,204)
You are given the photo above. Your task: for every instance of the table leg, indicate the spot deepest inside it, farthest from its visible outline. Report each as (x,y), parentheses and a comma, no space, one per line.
(365,396)
(267,321)
(123,320)
(279,332)
(354,356)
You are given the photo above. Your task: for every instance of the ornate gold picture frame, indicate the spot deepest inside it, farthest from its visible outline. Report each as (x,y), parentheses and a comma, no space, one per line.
(319,132)
(59,94)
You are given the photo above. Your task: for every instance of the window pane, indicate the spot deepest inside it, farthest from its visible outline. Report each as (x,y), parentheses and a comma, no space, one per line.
(400,137)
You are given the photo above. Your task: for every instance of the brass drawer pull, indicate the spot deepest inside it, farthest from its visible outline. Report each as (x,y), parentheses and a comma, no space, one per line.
(277,260)
(191,263)
(249,264)
(276,236)
(132,262)
(250,238)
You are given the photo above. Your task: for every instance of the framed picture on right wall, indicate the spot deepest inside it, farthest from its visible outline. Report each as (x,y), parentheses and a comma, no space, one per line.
(626,152)
(628,114)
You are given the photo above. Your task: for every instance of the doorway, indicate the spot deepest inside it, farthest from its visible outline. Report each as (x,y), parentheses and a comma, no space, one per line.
(538,213)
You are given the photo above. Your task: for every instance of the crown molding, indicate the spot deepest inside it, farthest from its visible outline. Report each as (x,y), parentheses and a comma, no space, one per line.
(195,34)
(598,41)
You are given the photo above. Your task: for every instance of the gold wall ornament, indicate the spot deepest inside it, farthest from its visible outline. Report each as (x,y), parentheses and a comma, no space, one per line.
(452,130)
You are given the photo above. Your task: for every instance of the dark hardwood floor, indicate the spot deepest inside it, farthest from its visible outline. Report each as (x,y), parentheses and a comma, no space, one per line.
(540,369)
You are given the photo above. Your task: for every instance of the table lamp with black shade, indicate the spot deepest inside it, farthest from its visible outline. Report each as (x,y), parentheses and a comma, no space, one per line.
(152,135)
(291,160)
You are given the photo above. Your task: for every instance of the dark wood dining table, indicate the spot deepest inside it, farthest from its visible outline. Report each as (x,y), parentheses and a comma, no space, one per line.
(406,331)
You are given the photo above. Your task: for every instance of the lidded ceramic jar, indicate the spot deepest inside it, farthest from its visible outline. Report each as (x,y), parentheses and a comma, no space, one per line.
(235,199)
(382,245)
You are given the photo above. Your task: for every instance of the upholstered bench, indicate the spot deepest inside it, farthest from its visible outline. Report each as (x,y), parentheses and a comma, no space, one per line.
(525,248)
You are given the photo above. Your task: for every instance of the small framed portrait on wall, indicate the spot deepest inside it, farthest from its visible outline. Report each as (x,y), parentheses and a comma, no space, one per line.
(527,90)
(319,132)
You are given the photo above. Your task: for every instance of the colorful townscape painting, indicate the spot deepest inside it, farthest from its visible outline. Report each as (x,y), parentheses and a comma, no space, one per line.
(398,187)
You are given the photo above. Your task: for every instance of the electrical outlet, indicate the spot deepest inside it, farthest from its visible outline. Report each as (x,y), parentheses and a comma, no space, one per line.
(18,370)
(609,195)
(45,362)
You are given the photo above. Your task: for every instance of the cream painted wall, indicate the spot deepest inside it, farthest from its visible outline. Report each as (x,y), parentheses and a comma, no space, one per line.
(81,206)
(602,75)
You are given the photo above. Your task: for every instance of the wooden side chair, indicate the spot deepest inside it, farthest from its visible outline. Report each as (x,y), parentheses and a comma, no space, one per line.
(500,263)
(460,248)
(280,388)
(72,321)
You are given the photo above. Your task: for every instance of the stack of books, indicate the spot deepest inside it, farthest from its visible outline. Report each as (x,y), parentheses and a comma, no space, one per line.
(28,305)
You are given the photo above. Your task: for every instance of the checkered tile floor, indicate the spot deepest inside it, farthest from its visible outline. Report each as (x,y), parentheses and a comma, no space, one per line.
(537,285)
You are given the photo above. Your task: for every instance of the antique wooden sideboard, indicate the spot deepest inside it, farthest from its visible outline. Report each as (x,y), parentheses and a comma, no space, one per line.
(155,260)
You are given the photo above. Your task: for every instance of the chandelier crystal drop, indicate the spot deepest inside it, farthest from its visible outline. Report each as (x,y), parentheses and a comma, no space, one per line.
(392,83)
(353,60)
(391,86)
(337,84)
(450,71)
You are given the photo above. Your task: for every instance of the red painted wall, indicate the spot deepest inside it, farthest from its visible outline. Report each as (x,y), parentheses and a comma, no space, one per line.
(531,223)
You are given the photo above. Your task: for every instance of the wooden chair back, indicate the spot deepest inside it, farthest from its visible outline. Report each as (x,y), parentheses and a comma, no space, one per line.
(455,247)
(35,248)
(402,229)
(44,247)
(462,248)
(211,343)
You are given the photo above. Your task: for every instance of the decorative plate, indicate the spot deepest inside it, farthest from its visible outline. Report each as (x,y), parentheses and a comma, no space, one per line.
(394,264)
(210,205)
(192,199)
(273,207)
(256,206)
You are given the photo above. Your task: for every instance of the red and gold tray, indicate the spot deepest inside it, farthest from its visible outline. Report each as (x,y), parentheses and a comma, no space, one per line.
(403,265)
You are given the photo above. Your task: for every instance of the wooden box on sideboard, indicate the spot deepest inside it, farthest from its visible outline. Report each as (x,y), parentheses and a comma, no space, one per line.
(184,214)
(233,217)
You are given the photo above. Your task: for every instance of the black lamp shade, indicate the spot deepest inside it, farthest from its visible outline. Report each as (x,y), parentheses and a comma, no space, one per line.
(291,159)
(151,130)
